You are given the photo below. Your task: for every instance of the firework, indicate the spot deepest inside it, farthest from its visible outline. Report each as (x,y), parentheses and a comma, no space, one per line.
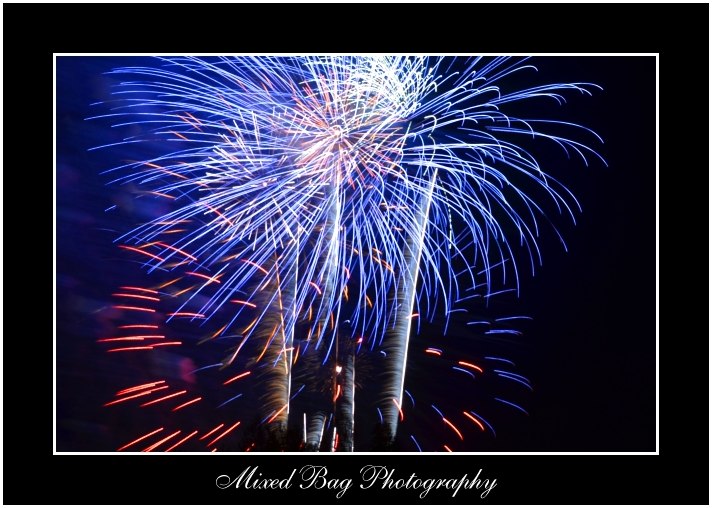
(315,207)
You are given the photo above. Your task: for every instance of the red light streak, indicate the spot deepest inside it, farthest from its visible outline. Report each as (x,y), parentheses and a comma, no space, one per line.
(400,411)
(186,314)
(453,428)
(133,348)
(222,435)
(206,277)
(139,387)
(140,297)
(186,438)
(187,403)
(141,394)
(474,420)
(212,431)
(159,443)
(134,288)
(277,414)
(472,366)
(242,302)
(140,439)
(134,249)
(126,307)
(150,403)
(237,377)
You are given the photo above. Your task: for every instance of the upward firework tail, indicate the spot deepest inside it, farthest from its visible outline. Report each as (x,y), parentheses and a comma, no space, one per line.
(344,401)
(276,331)
(397,338)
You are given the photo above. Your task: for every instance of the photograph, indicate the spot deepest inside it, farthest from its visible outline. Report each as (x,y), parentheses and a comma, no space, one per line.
(361,254)
(350,253)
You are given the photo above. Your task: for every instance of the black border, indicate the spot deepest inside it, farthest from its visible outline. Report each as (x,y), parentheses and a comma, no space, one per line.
(32,33)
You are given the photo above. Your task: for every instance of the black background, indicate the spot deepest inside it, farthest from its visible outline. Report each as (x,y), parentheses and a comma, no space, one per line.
(614,326)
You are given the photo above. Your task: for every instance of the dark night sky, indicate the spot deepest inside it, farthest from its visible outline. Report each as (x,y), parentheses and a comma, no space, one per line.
(589,351)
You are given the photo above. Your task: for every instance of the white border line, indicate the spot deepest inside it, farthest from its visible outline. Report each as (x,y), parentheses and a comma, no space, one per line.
(327,454)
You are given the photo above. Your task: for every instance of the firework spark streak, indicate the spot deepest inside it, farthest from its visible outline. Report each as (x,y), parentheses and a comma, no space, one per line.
(314,201)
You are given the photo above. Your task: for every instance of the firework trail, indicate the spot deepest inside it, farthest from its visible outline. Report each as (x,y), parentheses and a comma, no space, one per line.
(276,374)
(344,393)
(308,193)
(396,342)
